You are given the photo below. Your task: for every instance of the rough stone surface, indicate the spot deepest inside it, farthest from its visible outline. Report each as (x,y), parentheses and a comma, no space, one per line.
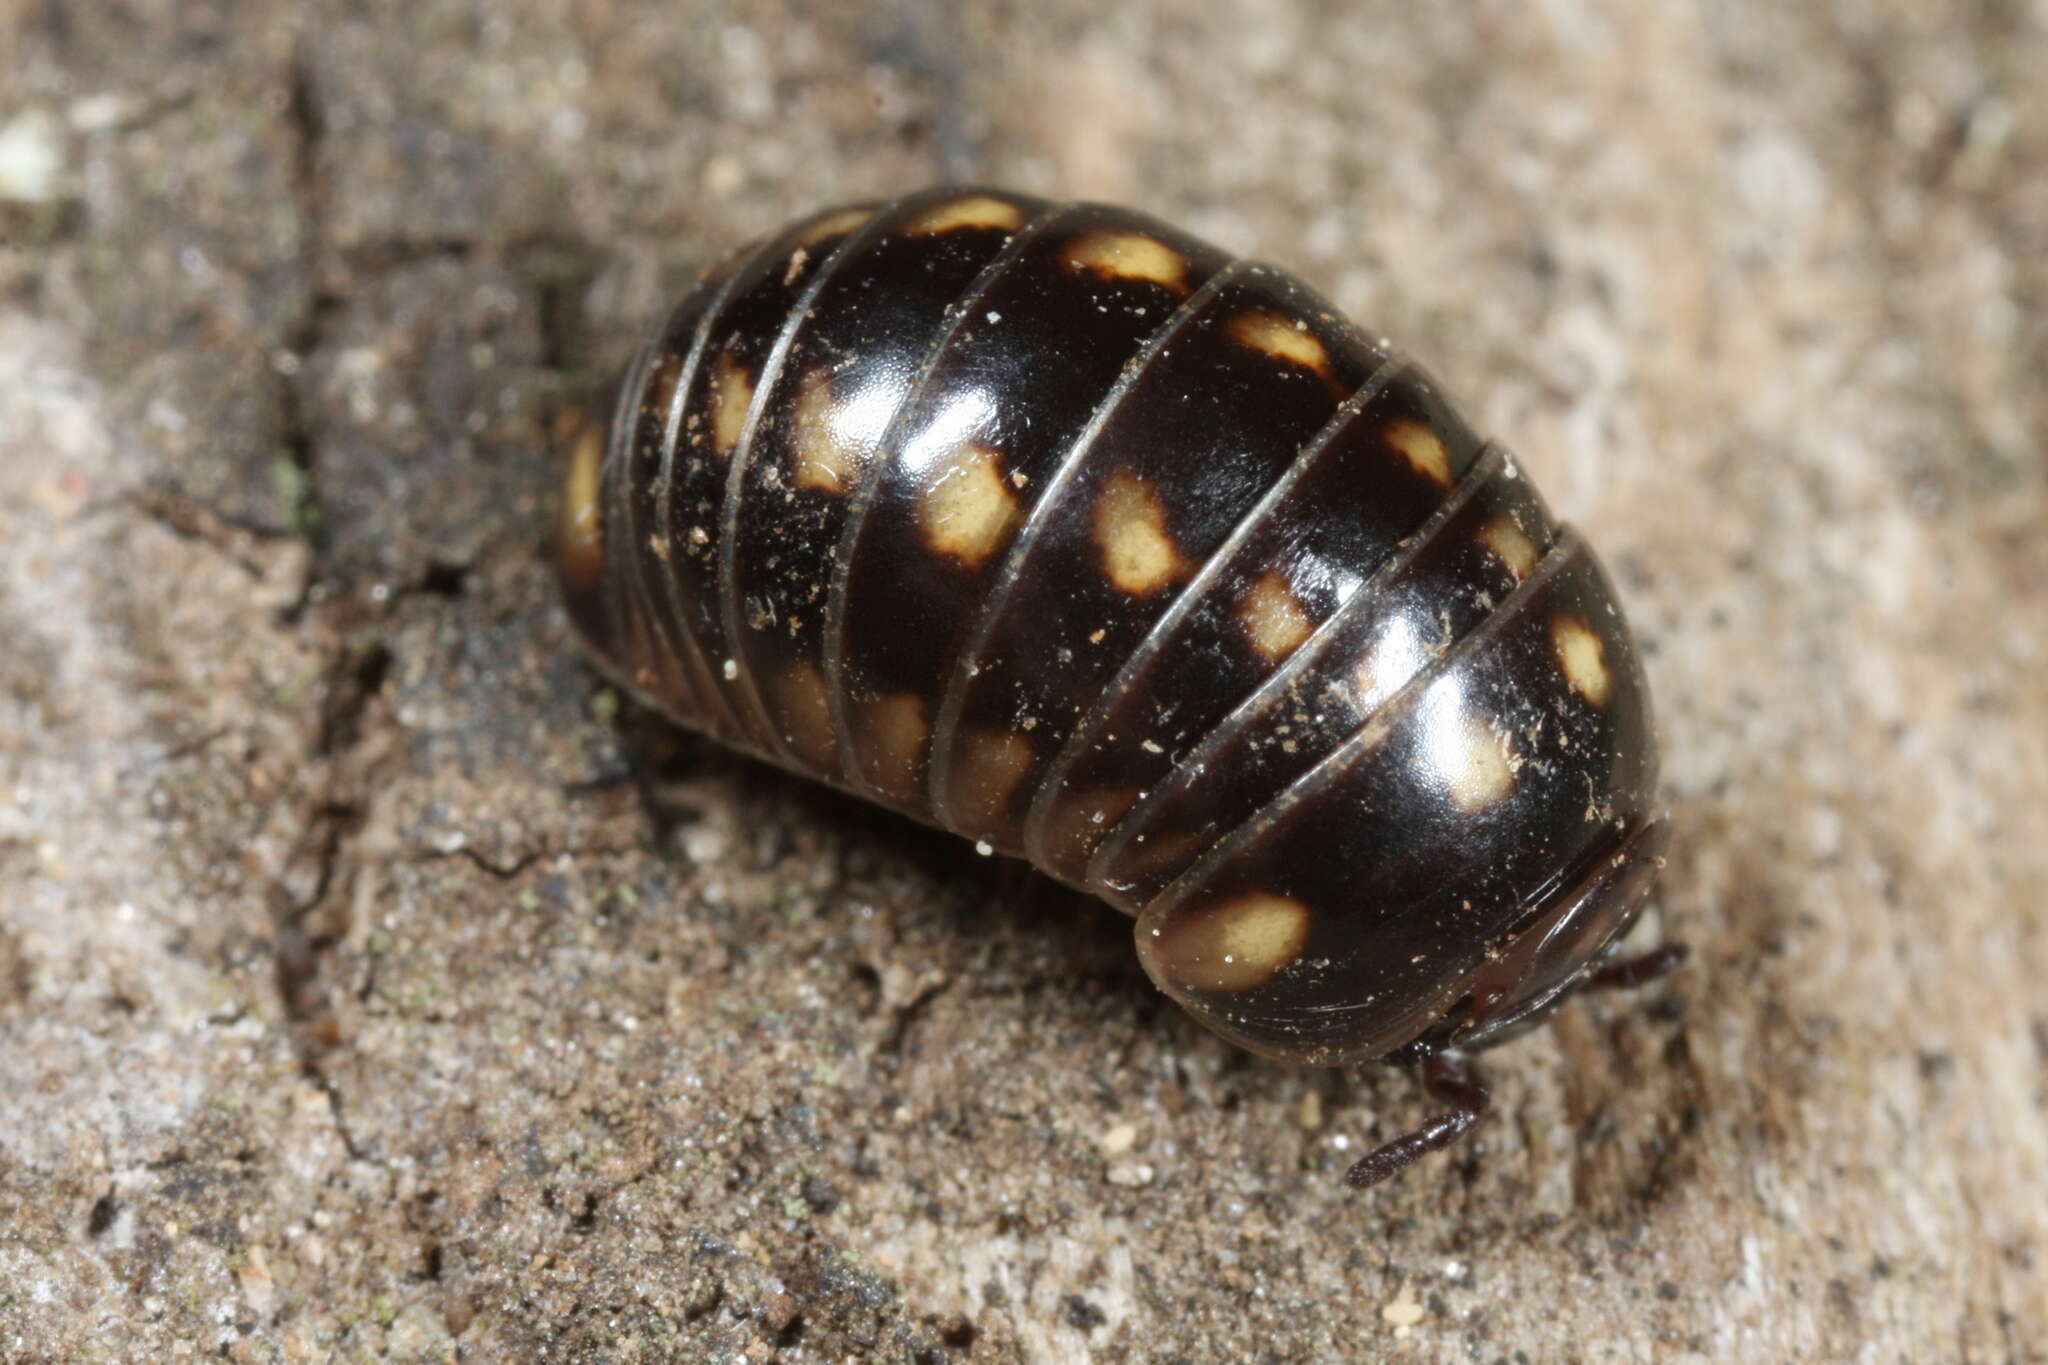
(369,992)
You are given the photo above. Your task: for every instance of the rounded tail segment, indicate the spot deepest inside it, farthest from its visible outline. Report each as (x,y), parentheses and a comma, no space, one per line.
(1360,909)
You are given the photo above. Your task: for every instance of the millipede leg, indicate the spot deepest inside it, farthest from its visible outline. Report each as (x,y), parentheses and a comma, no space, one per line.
(1446,1077)
(1632,972)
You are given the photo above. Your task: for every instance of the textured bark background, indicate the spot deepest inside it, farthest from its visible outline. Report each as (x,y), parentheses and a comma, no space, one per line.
(357,1002)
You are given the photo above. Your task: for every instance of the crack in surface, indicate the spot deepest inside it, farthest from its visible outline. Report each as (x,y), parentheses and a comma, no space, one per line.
(189,519)
(501,872)
(353,741)
(356,673)
(303,338)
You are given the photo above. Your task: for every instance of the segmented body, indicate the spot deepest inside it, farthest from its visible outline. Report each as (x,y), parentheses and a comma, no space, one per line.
(1056,527)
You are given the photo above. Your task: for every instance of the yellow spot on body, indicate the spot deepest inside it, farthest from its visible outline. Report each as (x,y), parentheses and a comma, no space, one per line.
(732,393)
(580,532)
(660,389)
(976,210)
(1273,618)
(1233,946)
(827,461)
(1280,337)
(1511,545)
(1479,767)
(1128,256)
(1421,447)
(992,763)
(833,225)
(805,715)
(1582,657)
(1130,528)
(897,732)
(968,510)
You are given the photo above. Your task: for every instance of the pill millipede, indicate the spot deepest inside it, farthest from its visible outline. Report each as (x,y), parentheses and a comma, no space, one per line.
(1056,527)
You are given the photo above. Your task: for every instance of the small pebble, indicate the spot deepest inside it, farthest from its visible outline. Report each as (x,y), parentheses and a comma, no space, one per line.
(1119,1139)
(723,176)
(31,161)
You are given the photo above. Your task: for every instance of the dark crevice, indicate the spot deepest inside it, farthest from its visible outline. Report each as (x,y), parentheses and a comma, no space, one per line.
(560,273)
(706,1303)
(302,339)
(311,915)
(585,1218)
(891,1044)
(356,682)
(500,871)
(327,828)
(196,744)
(388,255)
(191,520)
(302,110)
(349,1144)
(301,955)
(1082,1314)
(443,579)
(305,937)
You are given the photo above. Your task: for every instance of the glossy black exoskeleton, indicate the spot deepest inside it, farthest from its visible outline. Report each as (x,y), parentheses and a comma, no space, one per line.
(1056,527)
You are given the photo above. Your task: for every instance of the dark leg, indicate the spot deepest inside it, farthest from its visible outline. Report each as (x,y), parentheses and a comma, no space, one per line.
(1632,972)
(1448,1079)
